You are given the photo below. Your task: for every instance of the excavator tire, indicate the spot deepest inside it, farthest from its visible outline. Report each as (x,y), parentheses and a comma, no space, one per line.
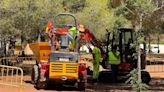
(105,77)
(81,86)
(145,76)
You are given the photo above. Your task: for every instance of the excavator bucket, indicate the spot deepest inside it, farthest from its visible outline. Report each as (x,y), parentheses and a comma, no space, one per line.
(41,50)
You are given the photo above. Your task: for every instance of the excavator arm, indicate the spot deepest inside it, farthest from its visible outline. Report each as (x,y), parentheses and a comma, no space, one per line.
(87,37)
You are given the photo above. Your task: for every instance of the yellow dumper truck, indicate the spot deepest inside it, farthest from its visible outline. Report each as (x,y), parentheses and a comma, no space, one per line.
(56,61)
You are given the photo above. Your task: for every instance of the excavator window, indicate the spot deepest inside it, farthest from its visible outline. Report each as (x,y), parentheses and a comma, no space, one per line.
(126,37)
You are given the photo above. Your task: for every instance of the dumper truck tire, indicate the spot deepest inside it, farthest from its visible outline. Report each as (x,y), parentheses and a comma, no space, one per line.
(145,76)
(39,85)
(36,78)
(81,86)
(35,74)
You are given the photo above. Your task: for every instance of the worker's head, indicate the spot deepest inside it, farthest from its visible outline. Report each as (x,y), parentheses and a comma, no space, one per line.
(69,25)
(81,28)
(114,48)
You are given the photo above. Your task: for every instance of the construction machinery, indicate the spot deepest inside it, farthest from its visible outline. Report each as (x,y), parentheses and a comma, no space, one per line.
(123,38)
(57,62)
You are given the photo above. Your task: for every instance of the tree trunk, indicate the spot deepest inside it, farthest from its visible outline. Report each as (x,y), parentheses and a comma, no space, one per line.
(39,35)
(158,44)
(139,51)
(22,40)
(149,45)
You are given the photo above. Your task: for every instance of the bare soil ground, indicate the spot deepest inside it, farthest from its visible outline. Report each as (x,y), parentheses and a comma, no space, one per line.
(156,84)
(100,87)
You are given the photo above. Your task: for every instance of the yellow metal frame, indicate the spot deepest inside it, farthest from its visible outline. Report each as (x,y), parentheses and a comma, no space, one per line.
(13,80)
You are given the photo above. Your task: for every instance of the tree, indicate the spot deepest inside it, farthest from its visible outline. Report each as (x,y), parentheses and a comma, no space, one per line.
(138,11)
(100,18)
(27,18)
(150,9)
(74,5)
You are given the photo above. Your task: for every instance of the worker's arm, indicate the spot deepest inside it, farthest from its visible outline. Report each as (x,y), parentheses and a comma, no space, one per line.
(94,55)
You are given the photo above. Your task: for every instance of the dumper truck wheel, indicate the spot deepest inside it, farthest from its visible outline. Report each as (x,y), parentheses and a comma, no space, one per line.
(39,85)
(145,76)
(36,78)
(81,86)
(35,74)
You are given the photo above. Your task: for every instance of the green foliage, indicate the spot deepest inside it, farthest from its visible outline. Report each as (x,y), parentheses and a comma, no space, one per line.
(135,7)
(73,5)
(141,6)
(133,81)
(100,18)
(155,42)
(26,18)
(132,10)
(138,37)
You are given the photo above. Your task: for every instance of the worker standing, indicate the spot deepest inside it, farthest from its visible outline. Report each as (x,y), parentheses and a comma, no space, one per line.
(74,34)
(114,61)
(96,62)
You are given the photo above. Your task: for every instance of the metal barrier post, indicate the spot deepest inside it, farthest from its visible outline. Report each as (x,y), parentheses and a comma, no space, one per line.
(13,82)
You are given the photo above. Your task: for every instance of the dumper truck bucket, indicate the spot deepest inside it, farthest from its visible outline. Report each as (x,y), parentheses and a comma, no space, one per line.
(41,50)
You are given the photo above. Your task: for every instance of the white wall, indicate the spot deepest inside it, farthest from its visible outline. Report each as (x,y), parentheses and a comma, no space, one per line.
(154,48)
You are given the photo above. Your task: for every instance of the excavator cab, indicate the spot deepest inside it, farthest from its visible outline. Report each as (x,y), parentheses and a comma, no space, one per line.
(125,49)
(123,38)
